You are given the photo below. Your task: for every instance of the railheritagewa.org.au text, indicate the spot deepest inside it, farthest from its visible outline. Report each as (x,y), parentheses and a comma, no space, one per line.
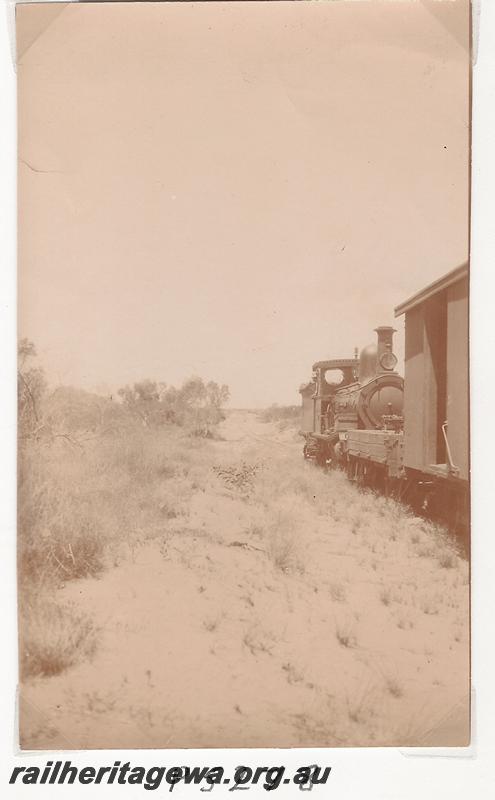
(151,778)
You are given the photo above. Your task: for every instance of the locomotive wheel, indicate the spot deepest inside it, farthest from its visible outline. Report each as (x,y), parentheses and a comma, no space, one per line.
(321,457)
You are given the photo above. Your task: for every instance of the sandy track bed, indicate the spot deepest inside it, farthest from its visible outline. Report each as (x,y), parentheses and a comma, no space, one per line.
(277,607)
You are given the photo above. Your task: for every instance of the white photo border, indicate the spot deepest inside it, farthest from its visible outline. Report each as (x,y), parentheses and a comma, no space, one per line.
(374,774)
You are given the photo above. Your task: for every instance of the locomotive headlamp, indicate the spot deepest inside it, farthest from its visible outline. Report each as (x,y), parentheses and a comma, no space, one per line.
(388,360)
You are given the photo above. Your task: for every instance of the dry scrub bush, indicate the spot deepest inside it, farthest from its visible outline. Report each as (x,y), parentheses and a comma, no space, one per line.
(277,479)
(281,414)
(79,508)
(281,548)
(76,507)
(283,532)
(96,476)
(305,488)
(53,637)
(59,534)
(238,477)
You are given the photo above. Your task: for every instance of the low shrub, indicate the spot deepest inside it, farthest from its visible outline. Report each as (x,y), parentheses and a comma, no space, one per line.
(53,637)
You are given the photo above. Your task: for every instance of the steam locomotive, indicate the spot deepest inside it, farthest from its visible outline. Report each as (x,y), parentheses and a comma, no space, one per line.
(407,436)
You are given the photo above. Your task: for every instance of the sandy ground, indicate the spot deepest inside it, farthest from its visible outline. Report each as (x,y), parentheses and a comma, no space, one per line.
(355,637)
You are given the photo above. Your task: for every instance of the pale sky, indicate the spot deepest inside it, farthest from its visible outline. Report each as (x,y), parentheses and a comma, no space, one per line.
(234,190)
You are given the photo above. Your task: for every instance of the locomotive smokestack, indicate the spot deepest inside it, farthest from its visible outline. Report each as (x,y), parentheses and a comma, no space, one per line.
(386,361)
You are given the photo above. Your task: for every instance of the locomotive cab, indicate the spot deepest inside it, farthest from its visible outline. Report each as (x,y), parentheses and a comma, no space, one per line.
(328,377)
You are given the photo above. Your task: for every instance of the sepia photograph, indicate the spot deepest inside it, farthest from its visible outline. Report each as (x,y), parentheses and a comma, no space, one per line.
(243,374)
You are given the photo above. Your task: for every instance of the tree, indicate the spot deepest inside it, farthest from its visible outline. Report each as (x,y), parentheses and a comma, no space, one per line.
(217,395)
(205,402)
(194,404)
(142,399)
(31,389)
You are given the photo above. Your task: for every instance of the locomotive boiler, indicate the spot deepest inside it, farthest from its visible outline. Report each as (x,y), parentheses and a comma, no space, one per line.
(378,393)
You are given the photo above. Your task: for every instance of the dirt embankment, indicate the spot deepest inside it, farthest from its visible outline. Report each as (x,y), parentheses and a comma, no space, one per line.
(269,605)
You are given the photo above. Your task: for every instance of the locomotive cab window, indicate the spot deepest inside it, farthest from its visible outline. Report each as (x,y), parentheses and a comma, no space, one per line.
(333,377)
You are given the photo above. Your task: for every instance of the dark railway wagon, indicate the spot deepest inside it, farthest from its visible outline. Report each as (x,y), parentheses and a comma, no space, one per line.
(436,396)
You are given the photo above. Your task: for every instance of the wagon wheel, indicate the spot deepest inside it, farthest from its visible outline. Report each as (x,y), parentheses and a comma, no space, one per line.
(360,474)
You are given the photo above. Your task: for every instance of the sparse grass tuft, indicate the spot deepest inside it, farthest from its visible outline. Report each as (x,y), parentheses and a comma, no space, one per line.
(404,622)
(394,686)
(211,624)
(385,597)
(429,606)
(447,560)
(338,592)
(281,550)
(293,674)
(53,638)
(427,551)
(282,546)
(257,640)
(361,706)
(254,529)
(346,634)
